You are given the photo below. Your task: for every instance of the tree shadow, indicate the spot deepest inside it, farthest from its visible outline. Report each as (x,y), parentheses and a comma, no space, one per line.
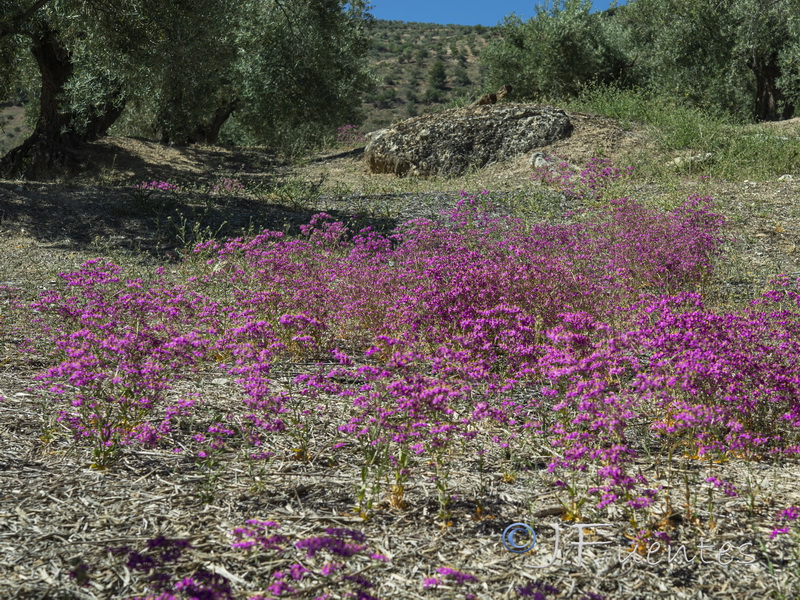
(131,160)
(155,223)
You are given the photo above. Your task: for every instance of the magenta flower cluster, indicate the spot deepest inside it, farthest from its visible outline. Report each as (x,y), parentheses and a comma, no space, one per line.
(227,185)
(707,384)
(441,337)
(157,564)
(335,564)
(333,561)
(161,186)
(457,577)
(787,519)
(119,345)
(350,135)
(324,560)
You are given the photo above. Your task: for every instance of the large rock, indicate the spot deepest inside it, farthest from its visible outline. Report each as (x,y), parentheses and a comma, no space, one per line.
(453,141)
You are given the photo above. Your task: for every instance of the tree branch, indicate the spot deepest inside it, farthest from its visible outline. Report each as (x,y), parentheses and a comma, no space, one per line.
(288,20)
(16,23)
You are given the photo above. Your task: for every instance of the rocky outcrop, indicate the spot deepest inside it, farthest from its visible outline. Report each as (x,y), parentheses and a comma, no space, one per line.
(453,141)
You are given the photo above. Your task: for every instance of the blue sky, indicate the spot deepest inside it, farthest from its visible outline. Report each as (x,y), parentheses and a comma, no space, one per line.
(459,12)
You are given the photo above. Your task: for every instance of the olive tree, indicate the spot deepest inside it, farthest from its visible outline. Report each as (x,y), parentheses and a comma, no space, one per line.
(180,69)
(281,72)
(739,56)
(74,47)
(555,53)
(184,75)
(767,36)
(302,70)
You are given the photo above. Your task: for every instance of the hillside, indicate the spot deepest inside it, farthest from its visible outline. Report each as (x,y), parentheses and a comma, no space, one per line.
(420,67)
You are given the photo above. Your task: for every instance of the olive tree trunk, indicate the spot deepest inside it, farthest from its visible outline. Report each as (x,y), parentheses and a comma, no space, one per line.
(208,133)
(771,105)
(51,147)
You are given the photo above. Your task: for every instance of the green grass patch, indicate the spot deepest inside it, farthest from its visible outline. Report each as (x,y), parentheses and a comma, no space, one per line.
(738,152)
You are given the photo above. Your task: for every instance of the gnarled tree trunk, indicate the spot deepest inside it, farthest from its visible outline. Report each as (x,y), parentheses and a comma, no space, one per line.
(204,133)
(105,115)
(48,145)
(208,133)
(51,148)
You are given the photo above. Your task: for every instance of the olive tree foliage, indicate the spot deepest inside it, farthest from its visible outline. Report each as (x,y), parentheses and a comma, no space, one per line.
(301,70)
(15,62)
(279,72)
(737,56)
(556,52)
(184,72)
(789,80)
(685,51)
(768,43)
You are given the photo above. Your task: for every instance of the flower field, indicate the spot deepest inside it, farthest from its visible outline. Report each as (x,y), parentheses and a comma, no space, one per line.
(445,359)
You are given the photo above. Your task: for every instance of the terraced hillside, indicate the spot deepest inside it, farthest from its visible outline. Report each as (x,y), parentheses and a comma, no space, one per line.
(420,67)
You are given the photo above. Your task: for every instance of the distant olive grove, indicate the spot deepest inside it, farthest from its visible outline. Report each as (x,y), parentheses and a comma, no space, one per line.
(734,57)
(279,72)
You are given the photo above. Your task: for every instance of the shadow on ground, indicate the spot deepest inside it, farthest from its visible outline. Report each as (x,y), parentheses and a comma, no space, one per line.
(155,223)
(131,160)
